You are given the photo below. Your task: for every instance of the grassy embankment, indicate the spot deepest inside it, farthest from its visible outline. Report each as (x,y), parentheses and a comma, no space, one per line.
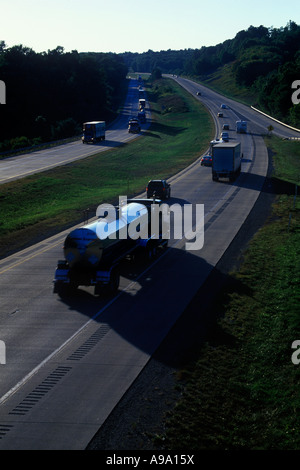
(223,81)
(43,204)
(241,389)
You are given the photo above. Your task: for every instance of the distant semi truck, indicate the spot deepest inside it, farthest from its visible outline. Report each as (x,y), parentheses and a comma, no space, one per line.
(142,103)
(226,160)
(241,127)
(93,131)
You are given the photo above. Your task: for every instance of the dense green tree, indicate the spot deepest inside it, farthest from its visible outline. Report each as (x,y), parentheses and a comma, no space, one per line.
(53,92)
(156,74)
(264,59)
(50,94)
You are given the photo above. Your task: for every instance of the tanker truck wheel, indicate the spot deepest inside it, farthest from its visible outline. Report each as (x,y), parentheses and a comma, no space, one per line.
(65,289)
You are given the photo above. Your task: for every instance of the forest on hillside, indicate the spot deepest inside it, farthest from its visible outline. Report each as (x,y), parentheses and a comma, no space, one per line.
(49,95)
(267,60)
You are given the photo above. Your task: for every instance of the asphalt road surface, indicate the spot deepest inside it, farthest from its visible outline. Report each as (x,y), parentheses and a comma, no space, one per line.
(13,168)
(70,360)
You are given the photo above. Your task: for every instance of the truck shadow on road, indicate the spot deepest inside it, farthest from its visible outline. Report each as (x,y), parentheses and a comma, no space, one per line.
(178,287)
(267,184)
(106,143)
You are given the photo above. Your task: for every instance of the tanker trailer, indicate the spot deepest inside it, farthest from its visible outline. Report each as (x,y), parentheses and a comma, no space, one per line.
(93,252)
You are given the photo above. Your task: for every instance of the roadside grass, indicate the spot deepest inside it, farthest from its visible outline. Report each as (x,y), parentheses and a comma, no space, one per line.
(45,203)
(223,81)
(240,390)
(286,159)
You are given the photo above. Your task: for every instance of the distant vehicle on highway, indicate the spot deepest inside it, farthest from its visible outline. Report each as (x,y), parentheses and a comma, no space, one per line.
(206,160)
(198,93)
(241,127)
(134,126)
(93,131)
(223,106)
(225,127)
(142,116)
(158,188)
(226,160)
(220,115)
(225,136)
(142,103)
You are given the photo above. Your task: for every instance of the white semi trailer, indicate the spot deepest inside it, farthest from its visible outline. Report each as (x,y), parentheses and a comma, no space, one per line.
(226,160)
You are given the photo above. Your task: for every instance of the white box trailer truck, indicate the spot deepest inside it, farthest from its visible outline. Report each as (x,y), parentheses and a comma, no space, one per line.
(93,131)
(226,160)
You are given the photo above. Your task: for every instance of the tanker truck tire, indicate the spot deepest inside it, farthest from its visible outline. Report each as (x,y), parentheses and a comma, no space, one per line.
(64,289)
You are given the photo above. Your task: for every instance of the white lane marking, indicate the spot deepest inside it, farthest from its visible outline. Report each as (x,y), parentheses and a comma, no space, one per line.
(127,288)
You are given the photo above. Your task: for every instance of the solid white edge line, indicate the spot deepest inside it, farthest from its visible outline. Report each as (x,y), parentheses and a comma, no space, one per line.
(47,359)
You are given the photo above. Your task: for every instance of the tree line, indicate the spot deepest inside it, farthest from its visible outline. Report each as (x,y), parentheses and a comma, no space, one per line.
(49,95)
(265,60)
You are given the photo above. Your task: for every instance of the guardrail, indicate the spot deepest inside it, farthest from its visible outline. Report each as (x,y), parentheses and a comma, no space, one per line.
(279,122)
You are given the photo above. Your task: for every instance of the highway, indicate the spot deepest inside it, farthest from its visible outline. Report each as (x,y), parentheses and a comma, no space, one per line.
(70,360)
(13,168)
(258,121)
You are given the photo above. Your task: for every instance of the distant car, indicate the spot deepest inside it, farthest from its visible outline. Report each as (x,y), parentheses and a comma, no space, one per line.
(223,106)
(198,93)
(158,188)
(220,114)
(225,136)
(206,160)
(225,127)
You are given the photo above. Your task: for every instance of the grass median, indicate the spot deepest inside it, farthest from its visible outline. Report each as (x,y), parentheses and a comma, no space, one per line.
(43,204)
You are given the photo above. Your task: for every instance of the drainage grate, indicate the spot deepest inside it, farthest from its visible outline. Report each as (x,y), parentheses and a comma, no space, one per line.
(4,429)
(40,391)
(89,343)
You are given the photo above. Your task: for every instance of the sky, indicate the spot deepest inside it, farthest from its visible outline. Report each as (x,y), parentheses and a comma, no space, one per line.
(135,25)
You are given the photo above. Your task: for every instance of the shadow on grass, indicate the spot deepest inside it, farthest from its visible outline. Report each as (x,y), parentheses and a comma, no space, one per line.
(163,129)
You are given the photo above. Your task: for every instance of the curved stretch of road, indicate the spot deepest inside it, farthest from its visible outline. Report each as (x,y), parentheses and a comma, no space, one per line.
(70,360)
(259,122)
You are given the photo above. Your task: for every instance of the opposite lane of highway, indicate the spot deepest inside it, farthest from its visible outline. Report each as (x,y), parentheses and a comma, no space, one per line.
(17,167)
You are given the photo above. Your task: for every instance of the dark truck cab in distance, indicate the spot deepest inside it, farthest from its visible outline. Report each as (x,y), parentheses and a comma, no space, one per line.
(158,188)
